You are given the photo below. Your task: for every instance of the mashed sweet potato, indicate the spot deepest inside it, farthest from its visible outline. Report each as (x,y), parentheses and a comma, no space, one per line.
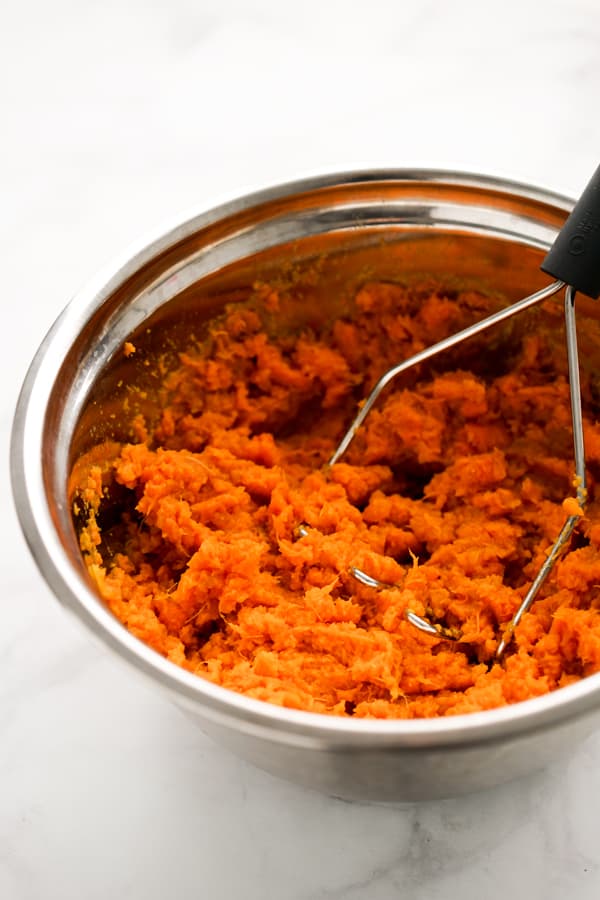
(451,493)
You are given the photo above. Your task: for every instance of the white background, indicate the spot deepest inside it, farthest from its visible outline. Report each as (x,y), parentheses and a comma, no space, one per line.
(113,116)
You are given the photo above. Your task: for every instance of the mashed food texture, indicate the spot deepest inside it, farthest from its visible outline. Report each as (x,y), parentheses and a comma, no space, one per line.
(451,494)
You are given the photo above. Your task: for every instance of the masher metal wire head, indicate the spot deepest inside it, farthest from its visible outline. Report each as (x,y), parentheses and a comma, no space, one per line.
(574,262)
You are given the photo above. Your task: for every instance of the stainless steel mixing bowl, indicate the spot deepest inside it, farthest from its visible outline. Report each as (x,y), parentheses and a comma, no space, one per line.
(464,228)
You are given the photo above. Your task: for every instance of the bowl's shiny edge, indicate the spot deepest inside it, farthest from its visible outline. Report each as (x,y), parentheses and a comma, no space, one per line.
(219,703)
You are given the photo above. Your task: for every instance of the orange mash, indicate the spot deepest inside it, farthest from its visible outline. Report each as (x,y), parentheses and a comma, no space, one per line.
(452,493)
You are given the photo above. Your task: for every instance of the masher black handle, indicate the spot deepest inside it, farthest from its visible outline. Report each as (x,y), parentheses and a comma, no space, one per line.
(575,254)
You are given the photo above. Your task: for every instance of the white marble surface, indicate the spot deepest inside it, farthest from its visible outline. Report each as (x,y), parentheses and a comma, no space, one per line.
(115,115)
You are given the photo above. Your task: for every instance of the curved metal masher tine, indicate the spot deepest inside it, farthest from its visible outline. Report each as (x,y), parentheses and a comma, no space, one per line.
(578,444)
(451,341)
(418,622)
(578,448)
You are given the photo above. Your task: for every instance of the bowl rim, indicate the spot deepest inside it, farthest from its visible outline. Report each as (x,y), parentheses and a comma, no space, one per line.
(74,593)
